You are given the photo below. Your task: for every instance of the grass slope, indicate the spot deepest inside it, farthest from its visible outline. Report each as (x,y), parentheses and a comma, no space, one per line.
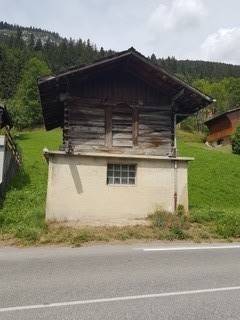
(22,212)
(214,179)
(214,176)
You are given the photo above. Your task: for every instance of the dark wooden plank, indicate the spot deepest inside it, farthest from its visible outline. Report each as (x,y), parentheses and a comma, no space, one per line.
(135,126)
(122,126)
(78,129)
(108,127)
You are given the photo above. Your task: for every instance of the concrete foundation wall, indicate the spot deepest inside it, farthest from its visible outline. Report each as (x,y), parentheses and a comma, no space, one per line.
(77,189)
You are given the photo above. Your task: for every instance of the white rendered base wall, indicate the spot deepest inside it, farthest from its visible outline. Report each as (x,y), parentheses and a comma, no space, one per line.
(77,189)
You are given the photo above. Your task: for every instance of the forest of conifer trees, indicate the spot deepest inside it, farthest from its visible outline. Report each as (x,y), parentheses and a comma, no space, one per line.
(28,53)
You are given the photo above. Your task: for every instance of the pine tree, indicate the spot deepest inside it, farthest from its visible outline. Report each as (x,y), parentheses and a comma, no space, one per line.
(19,43)
(38,45)
(25,106)
(102,53)
(31,41)
(153,59)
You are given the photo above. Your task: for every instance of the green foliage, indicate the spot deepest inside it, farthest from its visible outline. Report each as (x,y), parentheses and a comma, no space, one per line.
(25,106)
(175,225)
(236,141)
(11,64)
(227,94)
(181,210)
(212,176)
(218,90)
(191,70)
(214,203)
(225,91)
(22,213)
(25,54)
(229,225)
(213,199)
(164,219)
(19,45)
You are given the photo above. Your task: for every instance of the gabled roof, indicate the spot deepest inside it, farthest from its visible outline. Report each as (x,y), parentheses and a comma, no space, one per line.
(191,101)
(222,115)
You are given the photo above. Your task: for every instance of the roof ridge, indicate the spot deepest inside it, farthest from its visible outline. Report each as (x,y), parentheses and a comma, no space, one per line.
(131,51)
(223,114)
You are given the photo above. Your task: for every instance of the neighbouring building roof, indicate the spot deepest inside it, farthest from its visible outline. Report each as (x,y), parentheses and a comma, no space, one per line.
(222,115)
(223,126)
(5,119)
(51,88)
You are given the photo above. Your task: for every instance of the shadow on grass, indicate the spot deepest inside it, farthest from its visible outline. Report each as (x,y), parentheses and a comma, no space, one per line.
(18,182)
(21,136)
(21,179)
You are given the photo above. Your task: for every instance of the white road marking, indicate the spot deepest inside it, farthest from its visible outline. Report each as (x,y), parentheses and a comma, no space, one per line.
(115,299)
(190,248)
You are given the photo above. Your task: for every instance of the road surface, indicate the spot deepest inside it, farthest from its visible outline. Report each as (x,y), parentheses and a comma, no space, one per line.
(121,282)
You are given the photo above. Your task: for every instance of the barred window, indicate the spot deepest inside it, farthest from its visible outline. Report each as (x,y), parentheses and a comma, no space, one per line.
(121,174)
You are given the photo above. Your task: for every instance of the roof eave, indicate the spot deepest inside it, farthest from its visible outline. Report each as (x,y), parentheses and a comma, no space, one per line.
(124,54)
(221,115)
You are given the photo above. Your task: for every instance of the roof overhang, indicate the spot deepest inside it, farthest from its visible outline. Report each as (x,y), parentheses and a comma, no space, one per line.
(189,102)
(220,116)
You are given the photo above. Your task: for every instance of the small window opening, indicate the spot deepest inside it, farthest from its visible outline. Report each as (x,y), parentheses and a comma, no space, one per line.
(121,174)
(220,142)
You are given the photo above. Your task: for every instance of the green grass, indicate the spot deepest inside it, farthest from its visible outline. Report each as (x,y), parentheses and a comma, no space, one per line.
(22,212)
(214,179)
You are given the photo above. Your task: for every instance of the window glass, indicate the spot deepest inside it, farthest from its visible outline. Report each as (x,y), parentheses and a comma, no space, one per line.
(121,174)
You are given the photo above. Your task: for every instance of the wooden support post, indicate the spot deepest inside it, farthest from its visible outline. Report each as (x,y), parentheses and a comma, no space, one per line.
(173,130)
(66,136)
(174,121)
(108,126)
(135,126)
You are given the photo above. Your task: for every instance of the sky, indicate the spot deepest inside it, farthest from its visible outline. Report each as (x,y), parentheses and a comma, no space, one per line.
(186,29)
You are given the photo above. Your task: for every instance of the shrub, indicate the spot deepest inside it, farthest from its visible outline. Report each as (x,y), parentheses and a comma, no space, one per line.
(236,141)
(81,237)
(177,233)
(167,220)
(30,234)
(2,218)
(229,225)
(181,210)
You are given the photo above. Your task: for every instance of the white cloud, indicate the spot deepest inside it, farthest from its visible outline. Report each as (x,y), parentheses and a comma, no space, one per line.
(224,45)
(178,15)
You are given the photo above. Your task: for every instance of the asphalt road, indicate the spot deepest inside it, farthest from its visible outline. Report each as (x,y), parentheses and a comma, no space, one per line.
(120,282)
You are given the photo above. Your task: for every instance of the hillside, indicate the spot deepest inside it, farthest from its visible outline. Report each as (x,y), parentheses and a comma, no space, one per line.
(197,69)
(8,30)
(27,53)
(214,203)
(189,69)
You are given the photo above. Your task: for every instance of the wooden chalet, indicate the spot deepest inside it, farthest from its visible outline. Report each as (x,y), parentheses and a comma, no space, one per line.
(119,158)
(223,126)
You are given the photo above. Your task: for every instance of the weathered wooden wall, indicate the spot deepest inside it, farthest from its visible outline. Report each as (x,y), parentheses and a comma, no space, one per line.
(118,112)
(223,127)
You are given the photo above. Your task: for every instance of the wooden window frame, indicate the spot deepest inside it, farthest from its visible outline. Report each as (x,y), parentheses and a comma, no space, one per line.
(108,125)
